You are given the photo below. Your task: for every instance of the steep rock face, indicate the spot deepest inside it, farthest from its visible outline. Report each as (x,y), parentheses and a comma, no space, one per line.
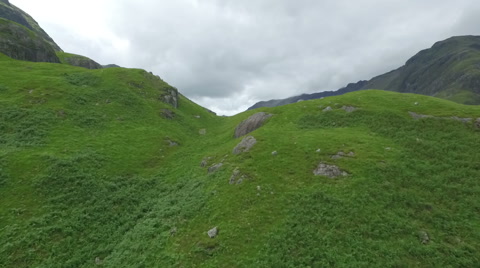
(13,13)
(450,70)
(79,61)
(18,42)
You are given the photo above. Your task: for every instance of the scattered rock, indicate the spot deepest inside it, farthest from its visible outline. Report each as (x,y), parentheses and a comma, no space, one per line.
(416,103)
(342,154)
(463,120)
(98,261)
(274,153)
(235,173)
(318,150)
(250,124)
(167,113)
(214,168)
(173,231)
(204,162)
(107,101)
(424,238)
(245,145)
(212,233)
(196,116)
(330,171)
(419,116)
(170,97)
(328,109)
(388,148)
(171,143)
(30,91)
(202,131)
(477,123)
(259,188)
(349,109)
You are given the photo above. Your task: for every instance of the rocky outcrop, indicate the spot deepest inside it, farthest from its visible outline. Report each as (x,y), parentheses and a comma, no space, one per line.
(245,145)
(20,43)
(250,124)
(330,171)
(79,61)
(170,97)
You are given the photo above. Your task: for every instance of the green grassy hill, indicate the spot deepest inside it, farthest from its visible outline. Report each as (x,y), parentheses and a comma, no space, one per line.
(98,169)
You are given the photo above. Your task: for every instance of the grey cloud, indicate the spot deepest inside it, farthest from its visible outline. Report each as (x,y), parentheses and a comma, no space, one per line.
(228,54)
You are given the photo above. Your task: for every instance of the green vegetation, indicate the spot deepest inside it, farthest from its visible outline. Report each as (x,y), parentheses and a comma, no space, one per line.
(89,176)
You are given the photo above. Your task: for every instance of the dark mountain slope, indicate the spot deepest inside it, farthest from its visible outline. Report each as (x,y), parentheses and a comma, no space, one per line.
(450,69)
(19,42)
(13,13)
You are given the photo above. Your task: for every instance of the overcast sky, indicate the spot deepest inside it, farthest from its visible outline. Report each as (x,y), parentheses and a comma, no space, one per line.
(226,55)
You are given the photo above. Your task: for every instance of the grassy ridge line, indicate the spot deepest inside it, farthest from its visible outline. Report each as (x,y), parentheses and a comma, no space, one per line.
(101,181)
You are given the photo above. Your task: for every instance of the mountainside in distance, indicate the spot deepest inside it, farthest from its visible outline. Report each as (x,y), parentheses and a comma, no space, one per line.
(450,69)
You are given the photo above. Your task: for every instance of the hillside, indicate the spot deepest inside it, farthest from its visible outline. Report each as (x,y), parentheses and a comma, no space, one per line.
(98,168)
(450,70)
(13,13)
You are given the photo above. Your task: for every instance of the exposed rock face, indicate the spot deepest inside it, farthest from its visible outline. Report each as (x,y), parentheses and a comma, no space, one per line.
(20,43)
(81,61)
(171,97)
(250,124)
(330,171)
(245,145)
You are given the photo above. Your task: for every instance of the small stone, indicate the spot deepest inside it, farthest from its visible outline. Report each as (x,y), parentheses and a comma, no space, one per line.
(327,109)
(202,131)
(167,113)
(416,103)
(98,261)
(107,101)
(351,154)
(424,238)
(212,233)
(214,168)
(274,153)
(259,188)
(318,150)
(173,231)
(30,91)
(388,148)
(196,116)
(349,109)
(477,123)
(234,176)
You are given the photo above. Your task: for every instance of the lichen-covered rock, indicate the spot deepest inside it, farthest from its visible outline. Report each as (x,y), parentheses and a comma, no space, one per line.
(330,171)
(250,124)
(245,145)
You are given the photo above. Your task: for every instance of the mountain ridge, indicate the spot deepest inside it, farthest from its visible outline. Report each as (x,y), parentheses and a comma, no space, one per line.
(429,72)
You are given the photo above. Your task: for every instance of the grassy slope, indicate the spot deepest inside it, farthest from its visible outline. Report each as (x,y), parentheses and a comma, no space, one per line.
(86,171)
